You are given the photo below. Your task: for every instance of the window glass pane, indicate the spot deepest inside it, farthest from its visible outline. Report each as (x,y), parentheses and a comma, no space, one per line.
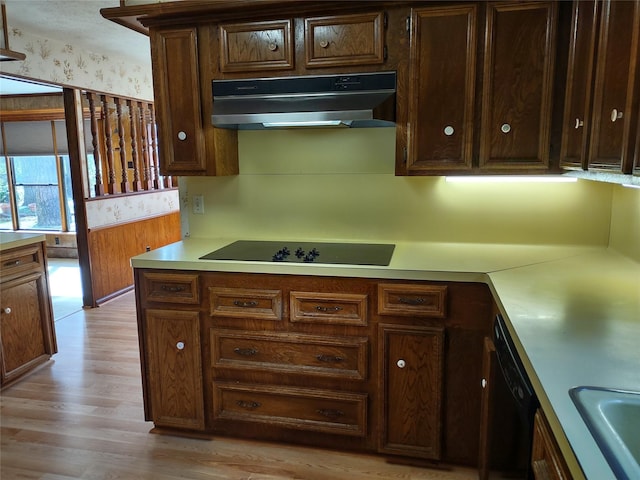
(68,193)
(37,196)
(5,207)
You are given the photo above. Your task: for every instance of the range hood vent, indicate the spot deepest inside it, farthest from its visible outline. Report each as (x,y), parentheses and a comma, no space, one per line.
(354,100)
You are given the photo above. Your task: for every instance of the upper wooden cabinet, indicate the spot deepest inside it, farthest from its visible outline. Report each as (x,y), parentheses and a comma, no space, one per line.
(517,89)
(343,40)
(251,46)
(442,88)
(601,105)
(515,79)
(188,143)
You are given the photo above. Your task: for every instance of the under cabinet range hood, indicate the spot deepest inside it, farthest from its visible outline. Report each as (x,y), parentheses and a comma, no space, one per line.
(353,100)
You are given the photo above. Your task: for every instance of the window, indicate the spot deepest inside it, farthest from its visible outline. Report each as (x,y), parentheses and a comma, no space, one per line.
(40,187)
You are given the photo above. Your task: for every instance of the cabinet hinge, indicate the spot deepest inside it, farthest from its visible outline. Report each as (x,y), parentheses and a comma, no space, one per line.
(384,52)
(408,24)
(404,156)
(385,20)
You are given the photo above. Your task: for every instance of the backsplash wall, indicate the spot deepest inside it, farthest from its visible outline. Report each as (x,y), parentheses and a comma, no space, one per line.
(340,185)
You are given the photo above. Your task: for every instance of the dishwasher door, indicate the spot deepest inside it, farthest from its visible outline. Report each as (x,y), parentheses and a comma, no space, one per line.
(508,407)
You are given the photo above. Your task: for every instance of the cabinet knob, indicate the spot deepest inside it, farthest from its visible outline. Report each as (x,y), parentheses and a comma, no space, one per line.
(615,114)
(505,128)
(272,46)
(180,345)
(6,310)
(484,383)
(579,123)
(182,135)
(324,43)
(448,130)
(401,363)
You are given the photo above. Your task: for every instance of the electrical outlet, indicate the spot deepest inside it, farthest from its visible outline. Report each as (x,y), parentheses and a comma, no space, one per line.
(198,204)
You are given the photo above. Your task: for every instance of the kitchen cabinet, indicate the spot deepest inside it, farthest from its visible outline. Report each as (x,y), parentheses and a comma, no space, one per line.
(442,89)
(255,46)
(599,130)
(412,372)
(189,145)
(517,80)
(170,350)
(507,91)
(547,461)
(344,40)
(314,360)
(27,330)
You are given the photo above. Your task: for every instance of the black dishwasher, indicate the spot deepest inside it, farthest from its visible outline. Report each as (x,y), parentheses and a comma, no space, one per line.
(512,404)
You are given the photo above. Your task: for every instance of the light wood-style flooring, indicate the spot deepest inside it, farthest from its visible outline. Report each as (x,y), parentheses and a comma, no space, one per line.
(81,416)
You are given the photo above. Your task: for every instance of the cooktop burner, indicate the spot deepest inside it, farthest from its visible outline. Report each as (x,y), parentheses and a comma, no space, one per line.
(305,252)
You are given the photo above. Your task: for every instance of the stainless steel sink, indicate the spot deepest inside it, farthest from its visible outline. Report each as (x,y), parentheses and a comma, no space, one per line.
(613,418)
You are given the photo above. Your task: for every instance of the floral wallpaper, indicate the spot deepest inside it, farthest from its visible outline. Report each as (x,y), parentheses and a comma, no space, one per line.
(50,60)
(121,209)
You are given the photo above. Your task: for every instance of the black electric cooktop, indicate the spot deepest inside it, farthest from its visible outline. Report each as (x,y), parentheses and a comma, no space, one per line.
(305,252)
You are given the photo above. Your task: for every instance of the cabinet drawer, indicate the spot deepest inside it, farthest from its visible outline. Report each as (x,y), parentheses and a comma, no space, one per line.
(171,288)
(252,46)
(302,409)
(22,260)
(245,303)
(329,308)
(342,357)
(415,300)
(344,40)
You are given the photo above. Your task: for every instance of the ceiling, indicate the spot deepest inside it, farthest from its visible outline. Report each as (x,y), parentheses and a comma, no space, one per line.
(77,22)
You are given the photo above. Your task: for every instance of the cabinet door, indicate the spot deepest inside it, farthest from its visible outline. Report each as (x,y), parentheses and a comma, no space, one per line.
(517,86)
(613,127)
(25,333)
(412,372)
(177,100)
(344,40)
(441,90)
(174,368)
(580,70)
(547,461)
(251,46)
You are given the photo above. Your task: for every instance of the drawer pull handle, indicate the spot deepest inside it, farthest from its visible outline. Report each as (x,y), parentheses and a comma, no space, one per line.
(242,304)
(273,46)
(246,352)
(172,288)
(12,263)
(330,412)
(411,301)
(248,405)
(6,310)
(329,358)
(320,308)
(324,43)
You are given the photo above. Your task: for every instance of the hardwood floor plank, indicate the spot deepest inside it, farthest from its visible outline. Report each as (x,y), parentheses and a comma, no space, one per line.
(81,416)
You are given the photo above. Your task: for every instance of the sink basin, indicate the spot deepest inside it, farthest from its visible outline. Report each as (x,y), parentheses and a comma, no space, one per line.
(613,418)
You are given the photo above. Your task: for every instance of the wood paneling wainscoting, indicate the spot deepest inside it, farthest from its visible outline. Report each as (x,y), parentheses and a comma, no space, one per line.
(111,248)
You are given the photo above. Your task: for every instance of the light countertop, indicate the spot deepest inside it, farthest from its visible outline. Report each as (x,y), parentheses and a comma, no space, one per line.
(9,240)
(574,312)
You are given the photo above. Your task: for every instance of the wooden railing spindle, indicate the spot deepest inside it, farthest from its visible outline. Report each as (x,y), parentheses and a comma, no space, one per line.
(133,128)
(99,186)
(111,186)
(124,184)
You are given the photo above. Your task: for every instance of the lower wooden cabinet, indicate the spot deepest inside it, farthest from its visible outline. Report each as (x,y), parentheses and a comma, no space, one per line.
(411,379)
(547,461)
(27,331)
(174,368)
(389,366)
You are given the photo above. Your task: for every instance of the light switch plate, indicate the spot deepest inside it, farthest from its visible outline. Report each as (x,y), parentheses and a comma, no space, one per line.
(198,204)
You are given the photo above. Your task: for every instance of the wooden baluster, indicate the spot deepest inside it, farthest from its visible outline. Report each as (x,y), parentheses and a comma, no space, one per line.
(157,181)
(124,184)
(133,128)
(99,187)
(106,113)
(146,170)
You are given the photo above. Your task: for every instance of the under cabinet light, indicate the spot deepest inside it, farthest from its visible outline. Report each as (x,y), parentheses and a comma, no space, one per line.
(311,123)
(510,179)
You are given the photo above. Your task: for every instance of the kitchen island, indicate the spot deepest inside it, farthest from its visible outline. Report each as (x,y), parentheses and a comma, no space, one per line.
(574,312)
(27,336)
